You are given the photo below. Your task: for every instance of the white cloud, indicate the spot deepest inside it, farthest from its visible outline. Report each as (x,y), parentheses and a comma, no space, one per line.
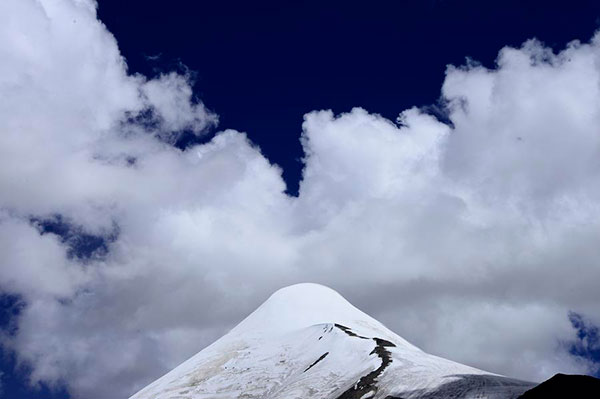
(170,96)
(472,242)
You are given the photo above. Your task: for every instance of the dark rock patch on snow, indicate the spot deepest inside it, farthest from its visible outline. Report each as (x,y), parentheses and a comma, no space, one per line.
(367,384)
(316,361)
(349,331)
(384,342)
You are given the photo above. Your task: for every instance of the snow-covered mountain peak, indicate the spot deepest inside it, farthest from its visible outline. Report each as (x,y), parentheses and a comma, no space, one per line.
(307,341)
(308,295)
(303,305)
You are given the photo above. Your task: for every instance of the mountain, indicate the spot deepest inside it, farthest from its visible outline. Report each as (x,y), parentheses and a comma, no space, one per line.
(566,387)
(307,341)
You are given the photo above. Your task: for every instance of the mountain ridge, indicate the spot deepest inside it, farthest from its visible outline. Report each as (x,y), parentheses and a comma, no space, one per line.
(565,386)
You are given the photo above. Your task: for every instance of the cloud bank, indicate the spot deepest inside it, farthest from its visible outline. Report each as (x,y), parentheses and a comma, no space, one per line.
(473,241)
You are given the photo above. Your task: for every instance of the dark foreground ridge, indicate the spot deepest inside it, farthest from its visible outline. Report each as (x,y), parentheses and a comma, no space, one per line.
(565,387)
(366,384)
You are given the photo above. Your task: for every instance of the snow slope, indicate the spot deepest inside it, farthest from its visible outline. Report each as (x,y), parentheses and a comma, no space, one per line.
(307,341)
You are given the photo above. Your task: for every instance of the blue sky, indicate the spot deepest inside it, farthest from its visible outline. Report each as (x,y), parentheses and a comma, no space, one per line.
(285,60)
(158,208)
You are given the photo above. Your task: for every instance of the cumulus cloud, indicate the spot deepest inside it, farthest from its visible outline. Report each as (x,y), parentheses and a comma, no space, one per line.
(473,240)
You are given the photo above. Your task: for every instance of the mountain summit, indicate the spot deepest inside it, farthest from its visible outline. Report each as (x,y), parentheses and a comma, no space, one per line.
(304,305)
(307,341)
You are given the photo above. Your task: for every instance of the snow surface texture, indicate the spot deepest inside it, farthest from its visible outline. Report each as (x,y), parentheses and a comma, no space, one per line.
(307,341)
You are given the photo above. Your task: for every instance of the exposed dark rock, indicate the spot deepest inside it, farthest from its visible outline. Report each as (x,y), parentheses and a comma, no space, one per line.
(317,361)
(349,331)
(367,383)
